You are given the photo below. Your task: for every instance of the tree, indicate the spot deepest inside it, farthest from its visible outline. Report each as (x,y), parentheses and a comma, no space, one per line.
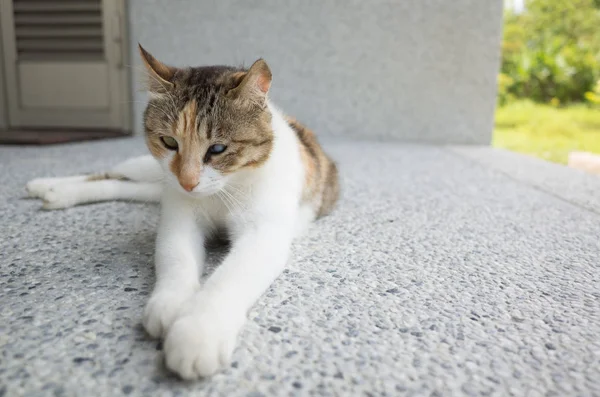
(551,51)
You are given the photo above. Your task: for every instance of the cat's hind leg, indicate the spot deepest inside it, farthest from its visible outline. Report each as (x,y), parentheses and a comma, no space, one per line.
(138,169)
(40,186)
(71,194)
(135,179)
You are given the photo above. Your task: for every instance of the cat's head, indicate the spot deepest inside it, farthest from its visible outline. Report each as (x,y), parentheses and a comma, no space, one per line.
(206,125)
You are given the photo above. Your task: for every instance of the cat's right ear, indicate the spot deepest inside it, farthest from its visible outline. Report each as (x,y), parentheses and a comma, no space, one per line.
(160,76)
(255,84)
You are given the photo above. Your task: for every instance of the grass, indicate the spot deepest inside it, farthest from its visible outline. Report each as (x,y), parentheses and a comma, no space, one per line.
(546,131)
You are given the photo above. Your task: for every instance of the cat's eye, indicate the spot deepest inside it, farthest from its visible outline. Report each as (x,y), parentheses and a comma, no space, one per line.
(169,142)
(217,148)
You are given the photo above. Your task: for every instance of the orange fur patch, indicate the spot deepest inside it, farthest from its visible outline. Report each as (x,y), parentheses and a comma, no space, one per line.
(321,185)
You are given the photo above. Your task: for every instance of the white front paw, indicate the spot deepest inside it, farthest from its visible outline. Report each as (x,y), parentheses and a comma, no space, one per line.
(201,342)
(162,310)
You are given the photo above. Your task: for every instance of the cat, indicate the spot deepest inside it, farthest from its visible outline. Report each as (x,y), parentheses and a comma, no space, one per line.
(222,157)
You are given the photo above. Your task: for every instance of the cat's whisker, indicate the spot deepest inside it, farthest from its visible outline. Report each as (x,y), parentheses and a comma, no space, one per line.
(236,204)
(232,206)
(241,205)
(235,187)
(242,194)
(232,197)
(231,183)
(225,201)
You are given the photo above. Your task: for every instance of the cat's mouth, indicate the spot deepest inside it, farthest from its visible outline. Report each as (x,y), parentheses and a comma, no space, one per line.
(202,191)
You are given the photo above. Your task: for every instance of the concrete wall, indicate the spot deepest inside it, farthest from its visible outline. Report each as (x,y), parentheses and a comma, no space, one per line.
(386,69)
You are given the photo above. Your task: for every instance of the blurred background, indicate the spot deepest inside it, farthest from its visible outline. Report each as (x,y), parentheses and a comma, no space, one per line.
(519,74)
(549,81)
(386,70)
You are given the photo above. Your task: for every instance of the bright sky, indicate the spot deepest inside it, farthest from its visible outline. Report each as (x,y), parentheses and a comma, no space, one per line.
(517,5)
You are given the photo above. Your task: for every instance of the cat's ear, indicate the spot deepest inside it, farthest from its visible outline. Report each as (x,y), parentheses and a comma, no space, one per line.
(160,76)
(255,84)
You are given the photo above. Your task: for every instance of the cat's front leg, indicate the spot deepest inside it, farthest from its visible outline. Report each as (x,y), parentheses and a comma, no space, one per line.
(202,339)
(179,259)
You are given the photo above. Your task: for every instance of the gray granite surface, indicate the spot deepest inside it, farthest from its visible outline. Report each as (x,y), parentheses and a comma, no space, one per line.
(576,186)
(436,276)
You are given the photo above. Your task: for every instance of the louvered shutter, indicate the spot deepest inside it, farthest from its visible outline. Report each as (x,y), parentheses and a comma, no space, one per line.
(60,29)
(65,57)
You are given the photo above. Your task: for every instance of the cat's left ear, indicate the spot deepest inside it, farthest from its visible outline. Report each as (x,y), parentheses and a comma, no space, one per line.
(255,84)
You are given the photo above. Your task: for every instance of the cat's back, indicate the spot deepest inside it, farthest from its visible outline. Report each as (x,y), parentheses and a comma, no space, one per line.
(321,185)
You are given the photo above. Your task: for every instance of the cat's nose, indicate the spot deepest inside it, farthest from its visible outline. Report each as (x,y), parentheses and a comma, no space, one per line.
(189,176)
(188,186)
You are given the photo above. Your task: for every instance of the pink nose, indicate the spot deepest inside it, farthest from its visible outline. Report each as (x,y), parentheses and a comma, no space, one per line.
(189,186)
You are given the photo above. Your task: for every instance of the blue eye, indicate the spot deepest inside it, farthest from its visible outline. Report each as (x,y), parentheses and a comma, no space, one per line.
(217,149)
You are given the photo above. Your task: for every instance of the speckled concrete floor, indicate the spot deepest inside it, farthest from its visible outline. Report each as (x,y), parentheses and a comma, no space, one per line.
(443,272)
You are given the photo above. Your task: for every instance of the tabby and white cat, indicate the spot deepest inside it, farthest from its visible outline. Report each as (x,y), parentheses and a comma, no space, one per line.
(222,158)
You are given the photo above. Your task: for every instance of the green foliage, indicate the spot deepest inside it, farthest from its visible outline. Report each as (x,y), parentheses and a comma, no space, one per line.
(593,97)
(546,131)
(551,52)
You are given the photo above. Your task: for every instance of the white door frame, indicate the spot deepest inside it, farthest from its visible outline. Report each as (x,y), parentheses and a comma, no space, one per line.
(3,110)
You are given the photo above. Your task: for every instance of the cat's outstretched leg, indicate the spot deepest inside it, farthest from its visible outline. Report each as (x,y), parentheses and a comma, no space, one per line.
(202,338)
(68,195)
(40,186)
(179,261)
(136,179)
